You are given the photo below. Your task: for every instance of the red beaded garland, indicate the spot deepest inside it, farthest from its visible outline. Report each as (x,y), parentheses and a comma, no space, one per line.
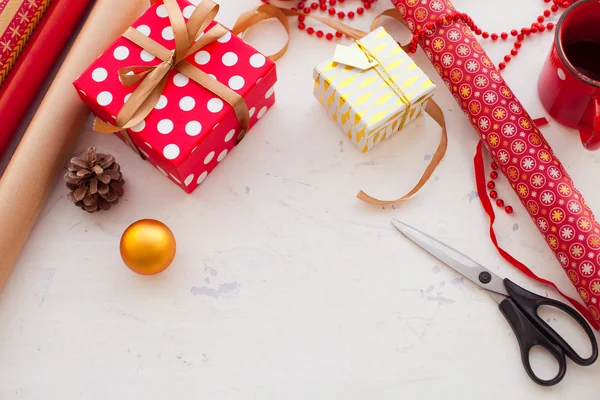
(328,7)
(492,185)
(535,27)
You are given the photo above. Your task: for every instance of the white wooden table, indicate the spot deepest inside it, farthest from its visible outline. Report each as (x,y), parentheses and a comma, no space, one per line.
(285,286)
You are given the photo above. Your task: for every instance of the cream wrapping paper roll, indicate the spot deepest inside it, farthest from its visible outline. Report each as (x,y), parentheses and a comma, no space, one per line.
(53,131)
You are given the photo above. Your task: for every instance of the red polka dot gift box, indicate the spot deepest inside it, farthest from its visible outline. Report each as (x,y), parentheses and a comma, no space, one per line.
(190,129)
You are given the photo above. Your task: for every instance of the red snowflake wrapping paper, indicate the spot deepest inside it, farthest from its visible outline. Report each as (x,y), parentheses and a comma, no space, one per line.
(191,130)
(515,143)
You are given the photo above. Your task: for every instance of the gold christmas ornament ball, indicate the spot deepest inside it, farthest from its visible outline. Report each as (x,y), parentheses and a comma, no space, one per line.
(148,247)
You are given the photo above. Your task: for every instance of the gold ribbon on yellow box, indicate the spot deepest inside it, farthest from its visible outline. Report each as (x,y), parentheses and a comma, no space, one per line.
(153,79)
(268,11)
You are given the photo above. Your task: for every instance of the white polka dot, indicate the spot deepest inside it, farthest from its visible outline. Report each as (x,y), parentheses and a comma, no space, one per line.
(215,127)
(236,82)
(144,153)
(161,11)
(257,60)
(139,127)
(212,76)
(193,128)
(162,102)
(195,2)
(126,98)
(189,180)
(187,103)
(215,105)
(162,170)
(145,29)
(252,111)
(187,12)
(99,75)
(225,38)
(83,93)
(230,135)
(199,36)
(202,57)
(121,53)
(146,56)
(222,155)
(167,33)
(165,126)
(261,112)
(209,157)
(229,59)
(270,92)
(202,177)
(561,74)
(104,98)
(180,80)
(171,151)
(147,144)
(194,149)
(175,178)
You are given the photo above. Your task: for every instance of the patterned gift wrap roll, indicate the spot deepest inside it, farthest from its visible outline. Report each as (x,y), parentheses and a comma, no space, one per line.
(372,104)
(515,143)
(18,19)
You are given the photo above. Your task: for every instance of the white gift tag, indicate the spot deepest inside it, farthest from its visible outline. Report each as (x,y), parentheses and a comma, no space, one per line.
(352,57)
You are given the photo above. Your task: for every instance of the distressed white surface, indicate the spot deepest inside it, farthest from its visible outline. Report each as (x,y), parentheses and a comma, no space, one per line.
(285,286)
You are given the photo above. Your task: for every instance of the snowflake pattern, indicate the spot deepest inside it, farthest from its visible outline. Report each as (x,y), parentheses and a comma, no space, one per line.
(437,6)
(463,50)
(490,97)
(516,144)
(447,59)
(587,269)
(472,65)
(481,81)
(454,35)
(518,147)
(509,130)
(567,233)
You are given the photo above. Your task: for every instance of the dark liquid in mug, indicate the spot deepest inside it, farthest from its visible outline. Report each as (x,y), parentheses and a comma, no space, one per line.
(585,56)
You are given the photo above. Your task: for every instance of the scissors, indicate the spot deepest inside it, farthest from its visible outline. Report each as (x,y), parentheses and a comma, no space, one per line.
(518,305)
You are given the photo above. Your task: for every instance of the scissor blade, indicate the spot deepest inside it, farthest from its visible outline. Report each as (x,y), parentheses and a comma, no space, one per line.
(453,258)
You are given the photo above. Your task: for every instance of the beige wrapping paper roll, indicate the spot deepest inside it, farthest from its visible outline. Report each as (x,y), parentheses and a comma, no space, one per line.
(51,136)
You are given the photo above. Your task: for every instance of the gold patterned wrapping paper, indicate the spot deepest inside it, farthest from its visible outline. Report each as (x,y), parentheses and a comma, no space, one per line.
(372,104)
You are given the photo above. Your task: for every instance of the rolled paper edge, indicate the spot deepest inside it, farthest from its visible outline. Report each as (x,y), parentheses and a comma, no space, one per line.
(27,77)
(31,174)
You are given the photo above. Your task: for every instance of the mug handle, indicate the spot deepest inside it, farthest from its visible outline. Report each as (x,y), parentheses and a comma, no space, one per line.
(590,136)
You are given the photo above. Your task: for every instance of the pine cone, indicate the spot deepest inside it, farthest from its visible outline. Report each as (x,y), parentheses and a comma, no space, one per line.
(95,181)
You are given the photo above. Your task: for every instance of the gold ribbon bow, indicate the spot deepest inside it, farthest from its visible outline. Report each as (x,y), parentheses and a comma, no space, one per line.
(154,78)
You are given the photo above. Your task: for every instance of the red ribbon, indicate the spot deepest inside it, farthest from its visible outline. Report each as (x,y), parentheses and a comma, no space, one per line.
(487,206)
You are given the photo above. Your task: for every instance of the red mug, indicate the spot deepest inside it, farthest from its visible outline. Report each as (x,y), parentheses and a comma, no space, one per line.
(569,86)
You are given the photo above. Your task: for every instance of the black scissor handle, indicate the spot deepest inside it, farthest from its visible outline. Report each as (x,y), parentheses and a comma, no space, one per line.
(528,336)
(529,303)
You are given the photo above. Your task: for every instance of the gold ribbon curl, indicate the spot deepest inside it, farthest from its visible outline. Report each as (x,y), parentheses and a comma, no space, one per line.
(269,11)
(153,78)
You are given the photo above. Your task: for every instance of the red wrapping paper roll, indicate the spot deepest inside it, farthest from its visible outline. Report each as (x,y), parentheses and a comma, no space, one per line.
(516,144)
(31,70)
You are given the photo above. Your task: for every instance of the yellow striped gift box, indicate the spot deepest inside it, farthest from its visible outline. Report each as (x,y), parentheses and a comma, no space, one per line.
(372,104)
